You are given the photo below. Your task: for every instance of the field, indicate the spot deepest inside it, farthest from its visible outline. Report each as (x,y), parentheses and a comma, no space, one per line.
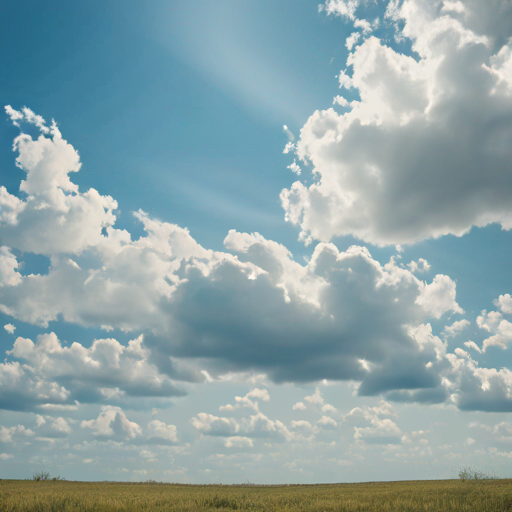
(441,495)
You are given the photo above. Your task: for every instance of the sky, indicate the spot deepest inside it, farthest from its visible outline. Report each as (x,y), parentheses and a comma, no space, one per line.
(262,241)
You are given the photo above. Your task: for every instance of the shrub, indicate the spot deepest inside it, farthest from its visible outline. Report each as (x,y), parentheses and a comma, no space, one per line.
(44,476)
(471,473)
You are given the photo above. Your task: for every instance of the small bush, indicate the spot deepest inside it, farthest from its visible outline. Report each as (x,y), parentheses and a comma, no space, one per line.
(471,473)
(44,476)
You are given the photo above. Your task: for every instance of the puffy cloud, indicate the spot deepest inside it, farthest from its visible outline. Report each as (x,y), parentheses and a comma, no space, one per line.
(13,434)
(384,431)
(56,374)
(245,401)
(28,116)
(9,328)
(327,422)
(238,442)
(214,425)
(50,427)
(24,390)
(473,345)
(439,297)
(321,305)
(260,394)
(410,160)
(345,8)
(501,432)
(492,18)
(455,329)
(160,432)
(255,426)
(501,329)
(9,275)
(54,218)
(504,303)
(299,406)
(419,266)
(302,426)
(112,423)
(316,398)
(373,424)
(295,168)
(350,43)
(477,389)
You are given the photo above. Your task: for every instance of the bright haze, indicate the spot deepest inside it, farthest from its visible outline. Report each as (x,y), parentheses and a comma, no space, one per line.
(262,241)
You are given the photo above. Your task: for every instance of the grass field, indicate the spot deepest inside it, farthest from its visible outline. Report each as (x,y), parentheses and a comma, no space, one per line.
(441,495)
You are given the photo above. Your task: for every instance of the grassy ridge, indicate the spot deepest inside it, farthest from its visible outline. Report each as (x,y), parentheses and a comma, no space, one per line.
(435,496)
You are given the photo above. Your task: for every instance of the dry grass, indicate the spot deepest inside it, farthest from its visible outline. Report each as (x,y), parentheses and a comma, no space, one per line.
(435,496)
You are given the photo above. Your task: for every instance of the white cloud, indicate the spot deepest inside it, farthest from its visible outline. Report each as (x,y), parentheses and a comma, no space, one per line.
(260,394)
(112,423)
(501,329)
(302,426)
(455,328)
(245,401)
(316,398)
(419,266)
(373,424)
(501,432)
(409,161)
(299,406)
(341,101)
(439,297)
(352,40)
(456,6)
(238,442)
(147,454)
(327,422)
(14,115)
(288,132)
(10,328)
(344,8)
(9,275)
(289,148)
(254,426)
(473,345)
(329,408)
(159,431)
(11,434)
(504,303)
(477,389)
(6,456)
(54,217)
(214,425)
(56,374)
(294,167)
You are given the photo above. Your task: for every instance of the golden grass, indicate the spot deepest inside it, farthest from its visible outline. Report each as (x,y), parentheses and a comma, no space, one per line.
(424,496)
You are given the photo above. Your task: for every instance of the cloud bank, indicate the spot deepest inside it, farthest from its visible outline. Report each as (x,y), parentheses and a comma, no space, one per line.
(256,311)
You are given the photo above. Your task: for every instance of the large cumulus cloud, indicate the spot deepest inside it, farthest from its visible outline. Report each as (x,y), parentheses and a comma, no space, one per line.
(340,316)
(426,151)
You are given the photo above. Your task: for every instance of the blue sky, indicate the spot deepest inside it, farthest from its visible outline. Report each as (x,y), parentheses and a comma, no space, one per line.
(180,304)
